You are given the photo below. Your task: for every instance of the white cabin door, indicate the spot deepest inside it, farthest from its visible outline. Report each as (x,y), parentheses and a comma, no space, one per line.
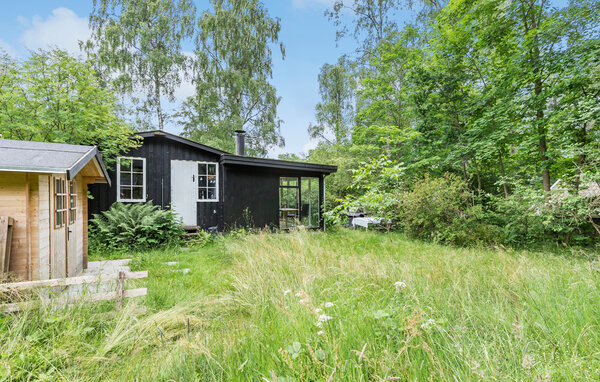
(184,190)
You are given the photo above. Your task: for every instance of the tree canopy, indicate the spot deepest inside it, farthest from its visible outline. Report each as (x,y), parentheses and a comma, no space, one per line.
(53,97)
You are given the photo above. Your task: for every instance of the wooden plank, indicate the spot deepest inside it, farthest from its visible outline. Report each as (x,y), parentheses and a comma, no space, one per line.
(18,306)
(79,280)
(6,228)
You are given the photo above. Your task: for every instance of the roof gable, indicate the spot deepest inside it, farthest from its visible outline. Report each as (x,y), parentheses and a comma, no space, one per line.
(30,156)
(177,138)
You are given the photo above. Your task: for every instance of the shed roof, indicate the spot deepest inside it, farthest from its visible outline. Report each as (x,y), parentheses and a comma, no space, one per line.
(29,156)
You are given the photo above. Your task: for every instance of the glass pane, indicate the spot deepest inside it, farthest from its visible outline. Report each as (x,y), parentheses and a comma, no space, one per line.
(212,169)
(125,192)
(201,181)
(138,193)
(138,165)
(138,179)
(125,164)
(202,193)
(288,198)
(71,188)
(212,181)
(72,201)
(289,181)
(201,169)
(125,179)
(212,194)
(309,208)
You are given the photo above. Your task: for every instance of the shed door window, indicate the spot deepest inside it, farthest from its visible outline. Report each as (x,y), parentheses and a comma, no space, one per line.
(208,181)
(60,202)
(72,202)
(131,178)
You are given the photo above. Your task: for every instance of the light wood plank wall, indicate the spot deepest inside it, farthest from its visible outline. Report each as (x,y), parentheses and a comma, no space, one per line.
(13,203)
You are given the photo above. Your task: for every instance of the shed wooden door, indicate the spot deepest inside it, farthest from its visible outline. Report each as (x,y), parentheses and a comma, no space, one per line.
(58,227)
(184,190)
(73,260)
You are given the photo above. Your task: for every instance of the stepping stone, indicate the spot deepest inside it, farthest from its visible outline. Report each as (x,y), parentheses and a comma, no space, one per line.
(184,270)
(171,263)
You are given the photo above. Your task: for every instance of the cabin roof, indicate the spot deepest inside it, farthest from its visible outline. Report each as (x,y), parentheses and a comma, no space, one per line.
(277,163)
(227,158)
(177,138)
(29,156)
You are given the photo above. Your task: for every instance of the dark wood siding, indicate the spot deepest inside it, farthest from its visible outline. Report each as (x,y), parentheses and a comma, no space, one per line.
(255,189)
(159,151)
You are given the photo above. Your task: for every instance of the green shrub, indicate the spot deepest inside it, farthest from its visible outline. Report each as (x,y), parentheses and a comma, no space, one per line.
(526,217)
(442,209)
(139,225)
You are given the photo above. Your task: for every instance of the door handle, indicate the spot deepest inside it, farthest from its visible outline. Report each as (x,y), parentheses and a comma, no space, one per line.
(69,234)
(193,178)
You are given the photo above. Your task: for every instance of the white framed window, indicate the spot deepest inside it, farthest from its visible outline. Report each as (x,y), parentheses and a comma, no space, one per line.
(131,179)
(208,182)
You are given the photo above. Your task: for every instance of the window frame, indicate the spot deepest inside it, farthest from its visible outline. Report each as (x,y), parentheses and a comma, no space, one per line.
(217,188)
(131,200)
(72,197)
(64,207)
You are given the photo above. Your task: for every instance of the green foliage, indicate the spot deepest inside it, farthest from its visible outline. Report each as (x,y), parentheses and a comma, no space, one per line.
(349,302)
(232,73)
(442,209)
(136,44)
(131,226)
(53,97)
(334,113)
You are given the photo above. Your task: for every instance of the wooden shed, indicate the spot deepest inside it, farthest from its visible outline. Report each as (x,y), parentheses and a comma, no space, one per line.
(43,188)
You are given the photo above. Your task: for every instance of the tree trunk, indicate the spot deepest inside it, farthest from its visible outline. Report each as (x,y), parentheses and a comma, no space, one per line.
(478,176)
(503,173)
(158,106)
(581,158)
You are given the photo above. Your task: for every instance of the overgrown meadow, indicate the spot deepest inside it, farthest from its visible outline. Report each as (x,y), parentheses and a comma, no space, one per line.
(311,306)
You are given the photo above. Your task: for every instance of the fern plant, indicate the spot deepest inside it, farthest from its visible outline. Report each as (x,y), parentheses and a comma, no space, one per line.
(139,225)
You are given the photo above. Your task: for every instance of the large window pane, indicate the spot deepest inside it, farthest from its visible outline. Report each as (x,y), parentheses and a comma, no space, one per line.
(309,209)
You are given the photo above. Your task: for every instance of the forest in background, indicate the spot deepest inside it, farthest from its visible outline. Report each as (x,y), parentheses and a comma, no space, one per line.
(490,101)
(453,120)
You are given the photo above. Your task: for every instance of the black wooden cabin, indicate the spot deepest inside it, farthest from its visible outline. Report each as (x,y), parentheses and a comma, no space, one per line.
(212,189)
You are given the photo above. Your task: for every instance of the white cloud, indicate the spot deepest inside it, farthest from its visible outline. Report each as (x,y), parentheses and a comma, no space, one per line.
(7,48)
(62,29)
(303,4)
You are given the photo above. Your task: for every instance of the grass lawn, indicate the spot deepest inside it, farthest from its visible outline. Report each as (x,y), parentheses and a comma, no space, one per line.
(325,307)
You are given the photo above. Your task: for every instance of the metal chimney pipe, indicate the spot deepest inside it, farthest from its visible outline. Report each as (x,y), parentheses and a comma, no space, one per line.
(240,142)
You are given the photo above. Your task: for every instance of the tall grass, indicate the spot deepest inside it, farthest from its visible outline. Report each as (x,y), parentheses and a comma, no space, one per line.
(313,306)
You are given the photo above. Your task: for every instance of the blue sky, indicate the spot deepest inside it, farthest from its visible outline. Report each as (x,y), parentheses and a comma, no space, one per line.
(308,36)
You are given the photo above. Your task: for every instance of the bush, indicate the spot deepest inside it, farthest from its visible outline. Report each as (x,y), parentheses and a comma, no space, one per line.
(442,209)
(526,217)
(139,225)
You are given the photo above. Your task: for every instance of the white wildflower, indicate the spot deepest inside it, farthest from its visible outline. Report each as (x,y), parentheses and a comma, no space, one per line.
(287,291)
(329,304)
(318,310)
(298,294)
(324,317)
(319,324)
(400,284)
(428,324)
(320,332)
(303,301)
